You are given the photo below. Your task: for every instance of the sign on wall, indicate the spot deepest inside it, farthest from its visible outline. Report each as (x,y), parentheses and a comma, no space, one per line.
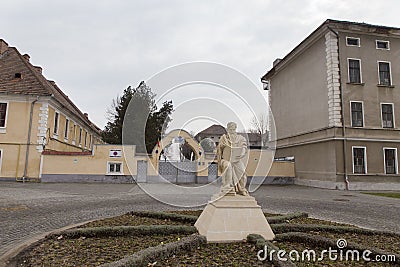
(115,153)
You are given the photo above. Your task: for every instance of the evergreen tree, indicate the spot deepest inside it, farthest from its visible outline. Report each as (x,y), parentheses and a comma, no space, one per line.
(145,123)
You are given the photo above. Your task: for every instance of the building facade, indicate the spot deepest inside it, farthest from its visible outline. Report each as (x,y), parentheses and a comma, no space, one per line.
(36,116)
(336,103)
(215,131)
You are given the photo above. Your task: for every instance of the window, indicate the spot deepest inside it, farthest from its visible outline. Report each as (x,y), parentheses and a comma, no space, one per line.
(85,138)
(56,119)
(357,117)
(387,116)
(1,158)
(3,114)
(384,73)
(114,167)
(359,160)
(354,70)
(384,45)
(80,136)
(74,134)
(66,128)
(352,41)
(390,158)
(90,141)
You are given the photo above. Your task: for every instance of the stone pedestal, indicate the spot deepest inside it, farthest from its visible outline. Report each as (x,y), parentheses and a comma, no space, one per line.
(231,218)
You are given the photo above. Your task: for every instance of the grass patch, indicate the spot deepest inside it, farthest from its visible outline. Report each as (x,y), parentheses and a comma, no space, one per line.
(384,194)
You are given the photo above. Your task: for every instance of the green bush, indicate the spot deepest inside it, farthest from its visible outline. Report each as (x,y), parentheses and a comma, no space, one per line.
(166,216)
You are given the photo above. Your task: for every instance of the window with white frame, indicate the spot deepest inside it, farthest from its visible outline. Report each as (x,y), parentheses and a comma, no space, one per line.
(384,45)
(80,136)
(384,73)
(3,114)
(387,116)
(85,139)
(354,70)
(66,129)
(56,121)
(357,116)
(390,158)
(359,160)
(352,41)
(114,167)
(74,133)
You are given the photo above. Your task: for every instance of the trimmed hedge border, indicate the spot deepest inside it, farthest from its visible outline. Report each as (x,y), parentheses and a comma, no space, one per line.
(285,227)
(261,243)
(153,254)
(328,242)
(165,215)
(284,218)
(192,219)
(126,231)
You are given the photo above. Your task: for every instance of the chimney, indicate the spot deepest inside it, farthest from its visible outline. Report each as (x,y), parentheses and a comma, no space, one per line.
(27,57)
(276,61)
(39,69)
(3,46)
(86,115)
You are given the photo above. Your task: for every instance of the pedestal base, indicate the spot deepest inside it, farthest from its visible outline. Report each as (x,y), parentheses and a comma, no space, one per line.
(232,218)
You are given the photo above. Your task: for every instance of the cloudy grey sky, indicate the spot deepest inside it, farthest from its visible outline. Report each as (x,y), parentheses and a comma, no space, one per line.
(94,49)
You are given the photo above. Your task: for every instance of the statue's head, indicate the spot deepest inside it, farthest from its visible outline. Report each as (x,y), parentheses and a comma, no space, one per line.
(231,127)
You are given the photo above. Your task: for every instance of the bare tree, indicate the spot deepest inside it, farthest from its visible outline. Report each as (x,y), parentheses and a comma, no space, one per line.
(259,124)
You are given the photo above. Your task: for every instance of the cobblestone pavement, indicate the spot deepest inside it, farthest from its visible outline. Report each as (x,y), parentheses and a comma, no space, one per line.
(30,209)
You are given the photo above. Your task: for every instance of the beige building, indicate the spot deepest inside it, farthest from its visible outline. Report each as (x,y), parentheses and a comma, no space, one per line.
(215,131)
(336,104)
(35,116)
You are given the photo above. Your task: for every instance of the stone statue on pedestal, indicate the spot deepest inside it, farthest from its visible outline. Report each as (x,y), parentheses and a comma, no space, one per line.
(231,150)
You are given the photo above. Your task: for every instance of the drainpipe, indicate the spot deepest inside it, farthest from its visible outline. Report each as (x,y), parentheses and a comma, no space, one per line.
(346,178)
(29,139)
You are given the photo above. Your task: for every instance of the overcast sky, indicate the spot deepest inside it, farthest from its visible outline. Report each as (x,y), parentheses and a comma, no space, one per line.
(95,49)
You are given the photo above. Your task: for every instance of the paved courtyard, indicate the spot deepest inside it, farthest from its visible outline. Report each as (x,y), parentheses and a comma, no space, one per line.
(30,209)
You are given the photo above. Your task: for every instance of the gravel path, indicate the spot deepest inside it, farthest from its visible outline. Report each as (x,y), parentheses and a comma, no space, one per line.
(30,209)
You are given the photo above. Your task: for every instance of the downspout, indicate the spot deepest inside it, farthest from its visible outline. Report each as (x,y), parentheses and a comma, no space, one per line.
(28,143)
(346,178)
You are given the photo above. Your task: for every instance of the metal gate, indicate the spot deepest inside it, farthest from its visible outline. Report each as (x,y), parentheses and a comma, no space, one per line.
(141,171)
(178,172)
(212,172)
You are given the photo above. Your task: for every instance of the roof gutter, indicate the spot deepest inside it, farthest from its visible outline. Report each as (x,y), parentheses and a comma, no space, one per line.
(346,178)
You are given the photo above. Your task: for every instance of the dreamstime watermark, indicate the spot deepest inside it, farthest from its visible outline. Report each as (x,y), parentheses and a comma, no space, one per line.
(340,253)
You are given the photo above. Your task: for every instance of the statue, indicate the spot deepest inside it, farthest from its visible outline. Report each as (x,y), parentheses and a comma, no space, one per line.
(232,148)
(173,151)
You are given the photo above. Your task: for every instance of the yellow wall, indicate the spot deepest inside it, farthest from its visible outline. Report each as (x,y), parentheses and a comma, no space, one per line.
(259,164)
(96,163)
(59,143)
(13,139)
